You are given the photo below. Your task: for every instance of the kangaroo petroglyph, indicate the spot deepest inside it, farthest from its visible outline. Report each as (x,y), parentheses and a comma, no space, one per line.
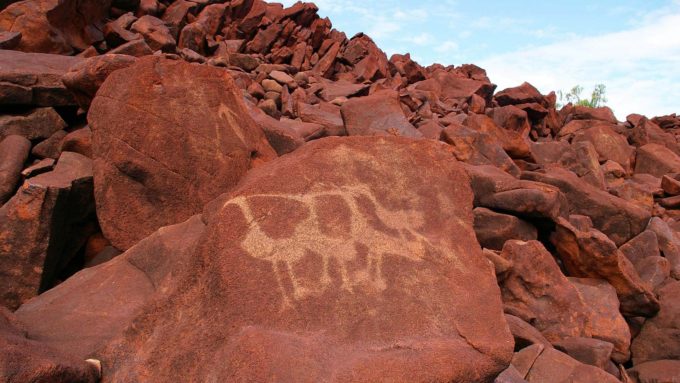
(396,237)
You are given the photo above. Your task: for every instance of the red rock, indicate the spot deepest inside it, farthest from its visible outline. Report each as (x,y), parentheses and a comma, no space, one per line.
(377,114)
(176,14)
(514,143)
(324,114)
(524,333)
(618,219)
(605,321)
(525,358)
(264,39)
(34,79)
(95,306)
(38,167)
(656,160)
(52,26)
(455,88)
(404,65)
(26,360)
(497,190)
(509,375)
(645,131)
(591,254)
(658,338)
(333,90)
(37,237)
(370,63)
(641,246)
(136,48)
(511,118)
(155,33)
(556,367)
(78,141)
(536,291)
(586,113)
(14,152)
(85,78)
(494,229)
(589,351)
(135,149)
(50,147)
(117,32)
(608,144)
(9,40)
(523,94)
(38,123)
(431,129)
(432,308)
(656,372)
(668,243)
(670,184)
(478,148)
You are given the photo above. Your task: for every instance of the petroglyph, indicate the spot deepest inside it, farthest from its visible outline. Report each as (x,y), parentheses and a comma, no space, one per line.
(394,232)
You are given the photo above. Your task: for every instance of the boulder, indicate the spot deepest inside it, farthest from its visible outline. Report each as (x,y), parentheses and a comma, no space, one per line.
(34,79)
(141,118)
(330,276)
(26,360)
(660,336)
(656,160)
(14,152)
(40,228)
(78,141)
(609,145)
(523,94)
(619,219)
(659,371)
(155,33)
(556,367)
(589,253)
(9,40)
(85,78)
(96,305)
(589,351)
(377,114)
(494,229)
(668,242)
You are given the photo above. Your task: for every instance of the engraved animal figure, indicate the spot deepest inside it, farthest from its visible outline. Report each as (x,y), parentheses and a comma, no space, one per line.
(395,236)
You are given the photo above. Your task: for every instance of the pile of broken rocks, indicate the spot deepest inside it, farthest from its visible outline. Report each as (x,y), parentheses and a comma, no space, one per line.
(212,191)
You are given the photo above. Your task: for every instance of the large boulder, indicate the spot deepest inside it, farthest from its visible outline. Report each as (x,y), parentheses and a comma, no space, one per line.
(619,219)
(377,114)
(40,227)
(660,336)
(56,26)
(371,273)
(656,160)
(34,78)
(141,118)
(26,360)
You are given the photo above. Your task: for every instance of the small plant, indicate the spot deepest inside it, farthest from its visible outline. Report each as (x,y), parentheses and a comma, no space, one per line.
(597,99)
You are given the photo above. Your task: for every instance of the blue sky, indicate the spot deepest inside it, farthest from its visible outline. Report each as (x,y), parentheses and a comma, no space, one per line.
(631,46)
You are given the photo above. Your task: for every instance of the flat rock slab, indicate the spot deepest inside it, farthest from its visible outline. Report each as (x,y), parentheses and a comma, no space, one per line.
(372,273)
(34,78)
(167,137)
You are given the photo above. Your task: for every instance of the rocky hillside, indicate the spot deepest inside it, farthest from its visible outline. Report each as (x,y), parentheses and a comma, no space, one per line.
(234,191)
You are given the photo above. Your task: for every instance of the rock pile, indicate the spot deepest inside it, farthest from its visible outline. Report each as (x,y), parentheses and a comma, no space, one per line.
(235,191)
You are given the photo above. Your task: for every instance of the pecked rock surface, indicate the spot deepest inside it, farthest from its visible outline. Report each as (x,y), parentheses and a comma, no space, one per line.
(175,199)
(141,184)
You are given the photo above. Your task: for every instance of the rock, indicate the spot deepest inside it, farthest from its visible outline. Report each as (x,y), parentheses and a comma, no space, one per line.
(604,317)
(14,152)
(642,246)
(497,190)
(324,114)
(9,40)
(39,228)
(42,166)
(589,351)
(658,338)
(660,371)
(618,219)
(509,375)
(85,78)
(136,48)
(96,305)
(337,305)
(78,141)
(155,33)
(654,271)
(377,114)
(50,147)
(591,254)
(404,65)
(556,367)
(34,124)
(668,242)
(608,144)
(580,158)
(51,26)
(26,360)
(536,291)
(613,174)
(478,148)
(271,86)
(603,113)
(139,121)
(370,63)
(494,229)
(524,333)
(511,118)
(514,143)
(283,138)
(34,79)
(523,94)
(670,184)
(455,88)
(117,32)
(525,358)
(656,160)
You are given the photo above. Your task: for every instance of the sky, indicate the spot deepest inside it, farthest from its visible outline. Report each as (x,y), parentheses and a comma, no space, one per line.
(631,46)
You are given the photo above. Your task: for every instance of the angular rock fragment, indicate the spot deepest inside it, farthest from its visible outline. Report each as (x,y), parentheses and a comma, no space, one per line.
(14,152)
(377,114)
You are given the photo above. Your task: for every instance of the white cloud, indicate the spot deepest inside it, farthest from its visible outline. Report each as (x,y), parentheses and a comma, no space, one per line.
(639,66)
(446,46)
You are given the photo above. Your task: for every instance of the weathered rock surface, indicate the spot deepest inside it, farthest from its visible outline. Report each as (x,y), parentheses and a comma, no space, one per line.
(494,229)
(140,182)
(85,78)
(378,114)
(659,336)
(403,310)
(14,152)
